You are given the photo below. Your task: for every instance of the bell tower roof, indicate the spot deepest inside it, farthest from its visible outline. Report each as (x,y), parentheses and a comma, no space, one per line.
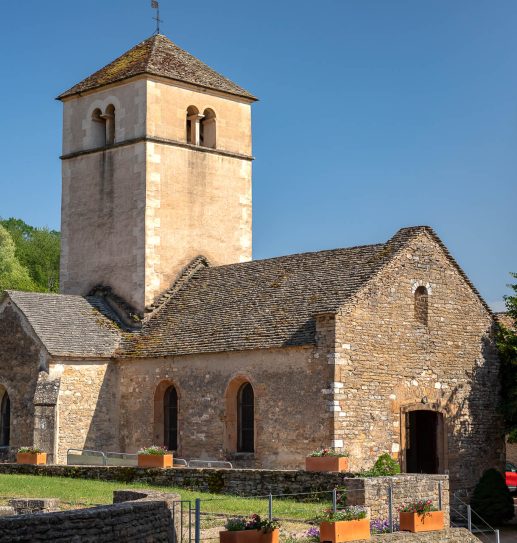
(159,56)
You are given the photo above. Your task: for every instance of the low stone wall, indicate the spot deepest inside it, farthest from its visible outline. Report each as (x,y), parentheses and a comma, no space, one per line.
(450,535)
(27,506)
(371,492)
(147,517)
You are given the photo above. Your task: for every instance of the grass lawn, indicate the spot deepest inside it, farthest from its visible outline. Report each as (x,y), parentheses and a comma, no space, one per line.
(75,493)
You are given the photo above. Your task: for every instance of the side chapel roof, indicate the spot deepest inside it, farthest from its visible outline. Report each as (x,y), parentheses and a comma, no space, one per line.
(69,325)
(158,56)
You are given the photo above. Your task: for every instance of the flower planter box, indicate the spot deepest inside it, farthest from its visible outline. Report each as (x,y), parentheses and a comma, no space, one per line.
(31,458)
(413,522)
(345,530)
(326,463)
(155,460)
(248,536)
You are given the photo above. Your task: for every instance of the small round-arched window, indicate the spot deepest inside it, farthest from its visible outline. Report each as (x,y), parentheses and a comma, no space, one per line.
(422,305)
(5,418)
(246,419)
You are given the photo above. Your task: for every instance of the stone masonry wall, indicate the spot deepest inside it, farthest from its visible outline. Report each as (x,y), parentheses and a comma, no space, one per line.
(387,363)
(21,358)
(88,412)
(371,492)
(285,382)
(136,516)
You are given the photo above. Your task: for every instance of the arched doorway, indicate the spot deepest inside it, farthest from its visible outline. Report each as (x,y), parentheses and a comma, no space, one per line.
(425,442)
(5,419)
(170,419)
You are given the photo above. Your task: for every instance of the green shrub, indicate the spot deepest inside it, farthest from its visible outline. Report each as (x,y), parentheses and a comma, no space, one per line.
(383,467)
(491,499)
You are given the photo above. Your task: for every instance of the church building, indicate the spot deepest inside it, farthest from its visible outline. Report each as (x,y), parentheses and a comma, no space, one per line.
(167,332)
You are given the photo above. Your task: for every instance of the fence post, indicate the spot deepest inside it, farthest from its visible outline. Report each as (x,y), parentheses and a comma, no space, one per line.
(334,500)
(197,527)
(497,540)
(390,507)
(440,488)
(469,518)
(270,508)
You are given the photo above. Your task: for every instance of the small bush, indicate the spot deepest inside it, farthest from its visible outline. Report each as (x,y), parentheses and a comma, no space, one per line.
(384,466)
(491,499)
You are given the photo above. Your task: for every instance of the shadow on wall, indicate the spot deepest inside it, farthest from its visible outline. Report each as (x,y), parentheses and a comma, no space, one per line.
(474,423)
(102,429)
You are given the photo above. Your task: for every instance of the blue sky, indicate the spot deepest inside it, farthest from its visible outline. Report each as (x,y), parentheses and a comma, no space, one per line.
(373,114)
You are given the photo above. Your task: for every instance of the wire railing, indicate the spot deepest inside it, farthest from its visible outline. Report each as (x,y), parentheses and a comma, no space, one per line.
(298,512)
(466,517)
(89,457)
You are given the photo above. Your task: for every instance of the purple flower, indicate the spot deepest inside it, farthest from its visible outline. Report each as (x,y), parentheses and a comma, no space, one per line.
(313,532)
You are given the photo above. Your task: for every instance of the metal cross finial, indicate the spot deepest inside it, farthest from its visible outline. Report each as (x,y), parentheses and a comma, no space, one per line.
(155,5)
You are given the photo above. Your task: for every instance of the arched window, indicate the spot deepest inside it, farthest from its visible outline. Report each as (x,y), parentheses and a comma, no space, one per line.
(98,129)
(109,116)
(170,418)
(103,129)
(207,129)
(246,419)
(193,127)
(5,419)
(421,305)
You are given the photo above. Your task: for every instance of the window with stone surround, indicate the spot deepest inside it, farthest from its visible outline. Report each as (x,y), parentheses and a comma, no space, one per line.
(166,411)
(170,418)
(239,436)
(422,305)
(245,419)
(5,418)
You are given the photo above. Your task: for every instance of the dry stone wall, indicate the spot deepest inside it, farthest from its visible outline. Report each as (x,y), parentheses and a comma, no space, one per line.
(371,492)
(134,517)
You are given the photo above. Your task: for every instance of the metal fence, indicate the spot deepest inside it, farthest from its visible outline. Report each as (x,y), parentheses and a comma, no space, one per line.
(87,457)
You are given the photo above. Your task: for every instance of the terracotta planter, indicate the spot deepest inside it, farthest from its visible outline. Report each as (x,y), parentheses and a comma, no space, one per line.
(345,530)
(155,460)
(31,458)
(326,463)
(412,522)
(249,536)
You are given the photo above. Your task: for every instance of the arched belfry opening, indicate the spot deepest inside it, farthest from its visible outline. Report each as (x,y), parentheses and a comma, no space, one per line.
(5,418)
(208,129)
(425,446)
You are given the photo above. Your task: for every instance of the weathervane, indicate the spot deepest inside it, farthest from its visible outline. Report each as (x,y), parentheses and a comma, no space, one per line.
(155,5)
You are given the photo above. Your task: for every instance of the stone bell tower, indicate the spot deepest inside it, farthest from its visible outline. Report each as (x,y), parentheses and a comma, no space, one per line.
(156,170)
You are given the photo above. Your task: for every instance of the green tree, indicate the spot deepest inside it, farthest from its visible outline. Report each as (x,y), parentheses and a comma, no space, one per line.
(38,249)
(507,345)
(12,274)
(491,499)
